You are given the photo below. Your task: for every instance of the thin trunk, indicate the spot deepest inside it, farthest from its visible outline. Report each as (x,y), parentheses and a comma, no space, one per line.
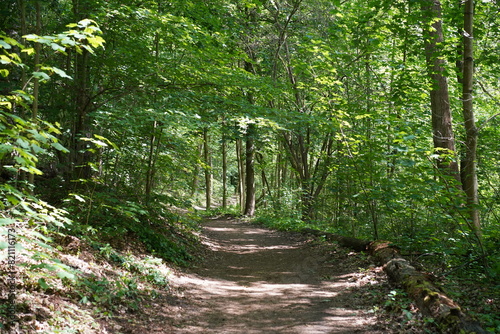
(250,172)
(224,171)
(208,169)
(80,155)
(241,173)
(266,184)
(153,140)
(36,83)
(196,172)
(443,137)
(469,180)
(277,182)
(24,32)
(151,162)
(250,149)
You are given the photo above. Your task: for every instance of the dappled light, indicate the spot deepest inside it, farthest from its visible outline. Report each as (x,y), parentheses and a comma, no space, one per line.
(262,281)
(249,166)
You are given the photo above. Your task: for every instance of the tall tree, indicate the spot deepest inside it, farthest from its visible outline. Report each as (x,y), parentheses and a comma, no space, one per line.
(442,125)
(250,191)
(207,159)
(468,170)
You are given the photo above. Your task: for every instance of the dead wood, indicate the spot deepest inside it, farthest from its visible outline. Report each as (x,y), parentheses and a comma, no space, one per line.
(430,298)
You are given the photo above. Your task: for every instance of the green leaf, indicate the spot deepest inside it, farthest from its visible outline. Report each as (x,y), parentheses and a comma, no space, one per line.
(57,47)
(78,197)
(65,274)
(38,136)
(97,143)
(59,147)
(37,149)
(12,200)
(21,161)
(23,143)
(41,76)
(27,97)
(29,51)
(5,60)
(43,284)
(61,73)
(31,37)
(57,71)
(104,139)
(96,41)
(85,23)
(5,45)
(31,170)
(7,221)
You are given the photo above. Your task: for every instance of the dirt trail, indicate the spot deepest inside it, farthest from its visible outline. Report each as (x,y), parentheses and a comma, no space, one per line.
(259,281)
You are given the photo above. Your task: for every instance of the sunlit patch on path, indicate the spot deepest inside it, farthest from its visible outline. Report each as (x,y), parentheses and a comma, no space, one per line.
(260,281)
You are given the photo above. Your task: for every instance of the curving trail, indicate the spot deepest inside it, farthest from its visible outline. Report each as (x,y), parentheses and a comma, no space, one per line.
(259,281)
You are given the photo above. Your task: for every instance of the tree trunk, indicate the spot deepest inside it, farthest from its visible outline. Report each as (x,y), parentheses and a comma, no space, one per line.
(443,137)
(196,172)
(250,172)
(208,170)
(80,157)
(224,171)
(154,142)
(469,179)
(241,173)
(24,31)
(431,300)
(36,82)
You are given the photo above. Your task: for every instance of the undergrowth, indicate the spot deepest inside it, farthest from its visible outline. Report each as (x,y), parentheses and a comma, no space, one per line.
(67,275)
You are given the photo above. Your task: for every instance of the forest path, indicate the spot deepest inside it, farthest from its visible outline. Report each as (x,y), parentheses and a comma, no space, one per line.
(255,280)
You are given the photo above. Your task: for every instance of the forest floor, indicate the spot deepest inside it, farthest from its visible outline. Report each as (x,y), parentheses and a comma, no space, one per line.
(255,280)
(248,279)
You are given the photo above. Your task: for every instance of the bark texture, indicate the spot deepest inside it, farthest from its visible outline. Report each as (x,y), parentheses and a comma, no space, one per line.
(429,297)
(469,173)
(443,137)
(250,174)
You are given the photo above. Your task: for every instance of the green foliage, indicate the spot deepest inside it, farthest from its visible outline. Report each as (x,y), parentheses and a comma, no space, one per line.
(283,223)
(335,91)
(233,211)
(23,142)
(105,293)
(108,217)
(27,228)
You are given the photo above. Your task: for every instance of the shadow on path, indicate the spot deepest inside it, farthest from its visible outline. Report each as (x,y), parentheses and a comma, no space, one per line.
(260,281)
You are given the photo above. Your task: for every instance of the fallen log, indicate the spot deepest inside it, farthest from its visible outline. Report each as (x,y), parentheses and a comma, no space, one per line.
(431,299)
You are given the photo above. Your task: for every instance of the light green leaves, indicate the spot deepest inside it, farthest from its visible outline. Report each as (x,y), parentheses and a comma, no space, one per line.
(42,76)
(26,140)
(84,36)
(56,70)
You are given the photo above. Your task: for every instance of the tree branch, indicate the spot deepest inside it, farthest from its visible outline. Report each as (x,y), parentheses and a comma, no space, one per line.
(497,102)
